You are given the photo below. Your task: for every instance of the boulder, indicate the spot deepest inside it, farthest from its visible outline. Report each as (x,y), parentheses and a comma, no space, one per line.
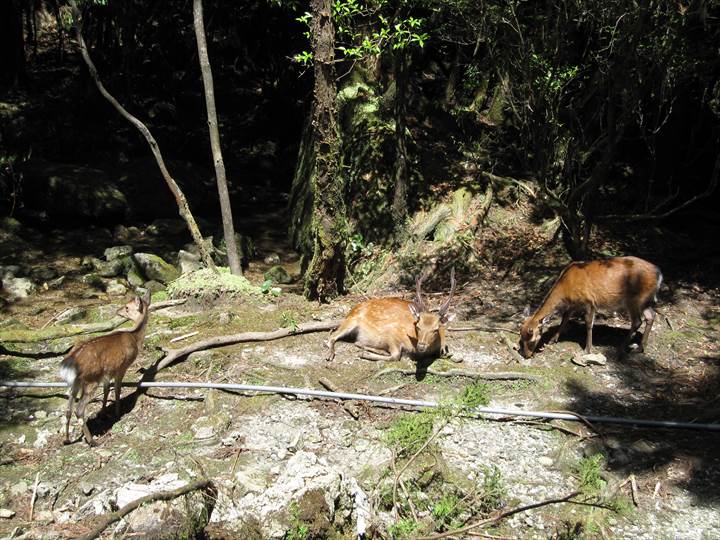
(188,262)
(155,268)
(18,287)
(115,288)
(117,252)
(277,274)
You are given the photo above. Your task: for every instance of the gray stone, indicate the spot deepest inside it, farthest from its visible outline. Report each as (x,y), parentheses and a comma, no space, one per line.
(118,252)
(595,359)
(87,489)
(40,415)
(45,273)
(18,287)
(9,271)
(154,286)
(278,275)
(111,268)
(6,514)
(19,489)
(156,268)
(93,280)
(115,288)
(273,258)
(56,283)
(10,224)
(188,262)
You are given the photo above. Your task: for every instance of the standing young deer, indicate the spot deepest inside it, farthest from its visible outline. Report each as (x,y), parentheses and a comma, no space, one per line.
(103,358)
(617,283)
(388,327)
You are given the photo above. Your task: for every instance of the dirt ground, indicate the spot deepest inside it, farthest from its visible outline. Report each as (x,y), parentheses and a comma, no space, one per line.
(250,444)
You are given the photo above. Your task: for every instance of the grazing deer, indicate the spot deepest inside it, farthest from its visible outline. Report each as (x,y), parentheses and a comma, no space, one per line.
(101,359)
(388,327)
(617,283)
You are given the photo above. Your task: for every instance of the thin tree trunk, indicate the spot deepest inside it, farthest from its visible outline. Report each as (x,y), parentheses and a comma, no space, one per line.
(399,207)
(326,271)
(183,207)
(225,208)
(12,44)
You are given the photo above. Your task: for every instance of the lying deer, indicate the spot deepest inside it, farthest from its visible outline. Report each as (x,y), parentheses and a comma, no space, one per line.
(388,327)
(619,283)
(101,359)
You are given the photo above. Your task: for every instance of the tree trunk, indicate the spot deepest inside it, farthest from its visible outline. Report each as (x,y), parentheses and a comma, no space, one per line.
(12,44)
(399,207)
(225,208)
(183,207)
(326,271)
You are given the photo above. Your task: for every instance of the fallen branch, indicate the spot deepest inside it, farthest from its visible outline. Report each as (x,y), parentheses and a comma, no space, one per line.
(109,519)
(71,330)
(347,405)
(219,341)
(480,328)
(486,375)
(503,515)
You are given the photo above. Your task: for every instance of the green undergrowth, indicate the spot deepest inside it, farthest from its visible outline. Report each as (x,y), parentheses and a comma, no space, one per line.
(205,283)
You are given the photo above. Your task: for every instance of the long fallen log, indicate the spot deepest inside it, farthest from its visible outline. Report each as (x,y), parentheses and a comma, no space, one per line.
(220,341)
(486,375)
(71,330)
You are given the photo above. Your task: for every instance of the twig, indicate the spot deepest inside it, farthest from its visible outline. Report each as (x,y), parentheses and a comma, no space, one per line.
(481,328)
(501,516)
(55,317)
(109,519)
(633,488)
(34,495)
(184,336)
(219,341)
(487,375)
(409,500)
(552,426)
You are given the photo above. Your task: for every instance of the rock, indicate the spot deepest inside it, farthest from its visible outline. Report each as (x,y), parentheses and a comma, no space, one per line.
(44,516)
(10,271)
(206,427)
(115,288)
(156,268)
(10,224)
(6,514)
(40,415)
(596,359)
(245,250)
(117,252)
(45,273)
(19,287)
(93,280)
(70,315)
(111,268)
(546,461)
(278,275)
(273,259)
(165,227)
(86,489)
(188,262)
(642,447)
(56,283)
(154,286)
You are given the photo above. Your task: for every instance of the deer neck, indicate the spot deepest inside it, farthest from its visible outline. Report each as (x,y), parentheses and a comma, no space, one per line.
(549,306)
(138,328)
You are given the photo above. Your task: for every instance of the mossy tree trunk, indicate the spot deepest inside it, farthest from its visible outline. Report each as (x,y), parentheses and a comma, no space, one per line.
(225,208)
(400,202)
(326,271)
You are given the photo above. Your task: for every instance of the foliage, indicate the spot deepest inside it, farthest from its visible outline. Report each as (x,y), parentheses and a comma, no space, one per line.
(475,395)
(589,471)
(409,432)
(494,492)
(299,530)
(288,319)
(404,528)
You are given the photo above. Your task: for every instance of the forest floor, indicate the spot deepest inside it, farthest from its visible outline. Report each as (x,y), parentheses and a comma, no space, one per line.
(263,451)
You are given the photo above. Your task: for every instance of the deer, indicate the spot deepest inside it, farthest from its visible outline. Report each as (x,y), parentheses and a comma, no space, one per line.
(618,283)
(100,359)
(385,328)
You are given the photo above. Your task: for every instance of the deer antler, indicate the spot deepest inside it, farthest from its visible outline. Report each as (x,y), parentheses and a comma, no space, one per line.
(446,304)
(419,299)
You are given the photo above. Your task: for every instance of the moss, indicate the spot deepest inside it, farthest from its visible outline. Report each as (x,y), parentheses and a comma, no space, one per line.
(206,283)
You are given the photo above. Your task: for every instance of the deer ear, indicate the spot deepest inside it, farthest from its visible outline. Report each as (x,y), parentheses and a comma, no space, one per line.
(146,297)
(415,311)
(526,311)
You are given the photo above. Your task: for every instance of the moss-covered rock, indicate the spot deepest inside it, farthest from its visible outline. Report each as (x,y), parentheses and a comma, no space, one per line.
(206,283)
(155,268)
(277,274)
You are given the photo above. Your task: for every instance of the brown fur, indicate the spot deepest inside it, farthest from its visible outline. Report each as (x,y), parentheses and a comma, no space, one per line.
(102,359)
(618,283)
(388,327)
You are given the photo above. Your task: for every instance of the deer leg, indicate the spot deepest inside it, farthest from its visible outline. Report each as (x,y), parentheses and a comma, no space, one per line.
(118,388)
(589,321)
(394,354)
(72,394)
(561,328)
(649,316)
(636,321)
(106,393)
(88,392)
(342,332)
